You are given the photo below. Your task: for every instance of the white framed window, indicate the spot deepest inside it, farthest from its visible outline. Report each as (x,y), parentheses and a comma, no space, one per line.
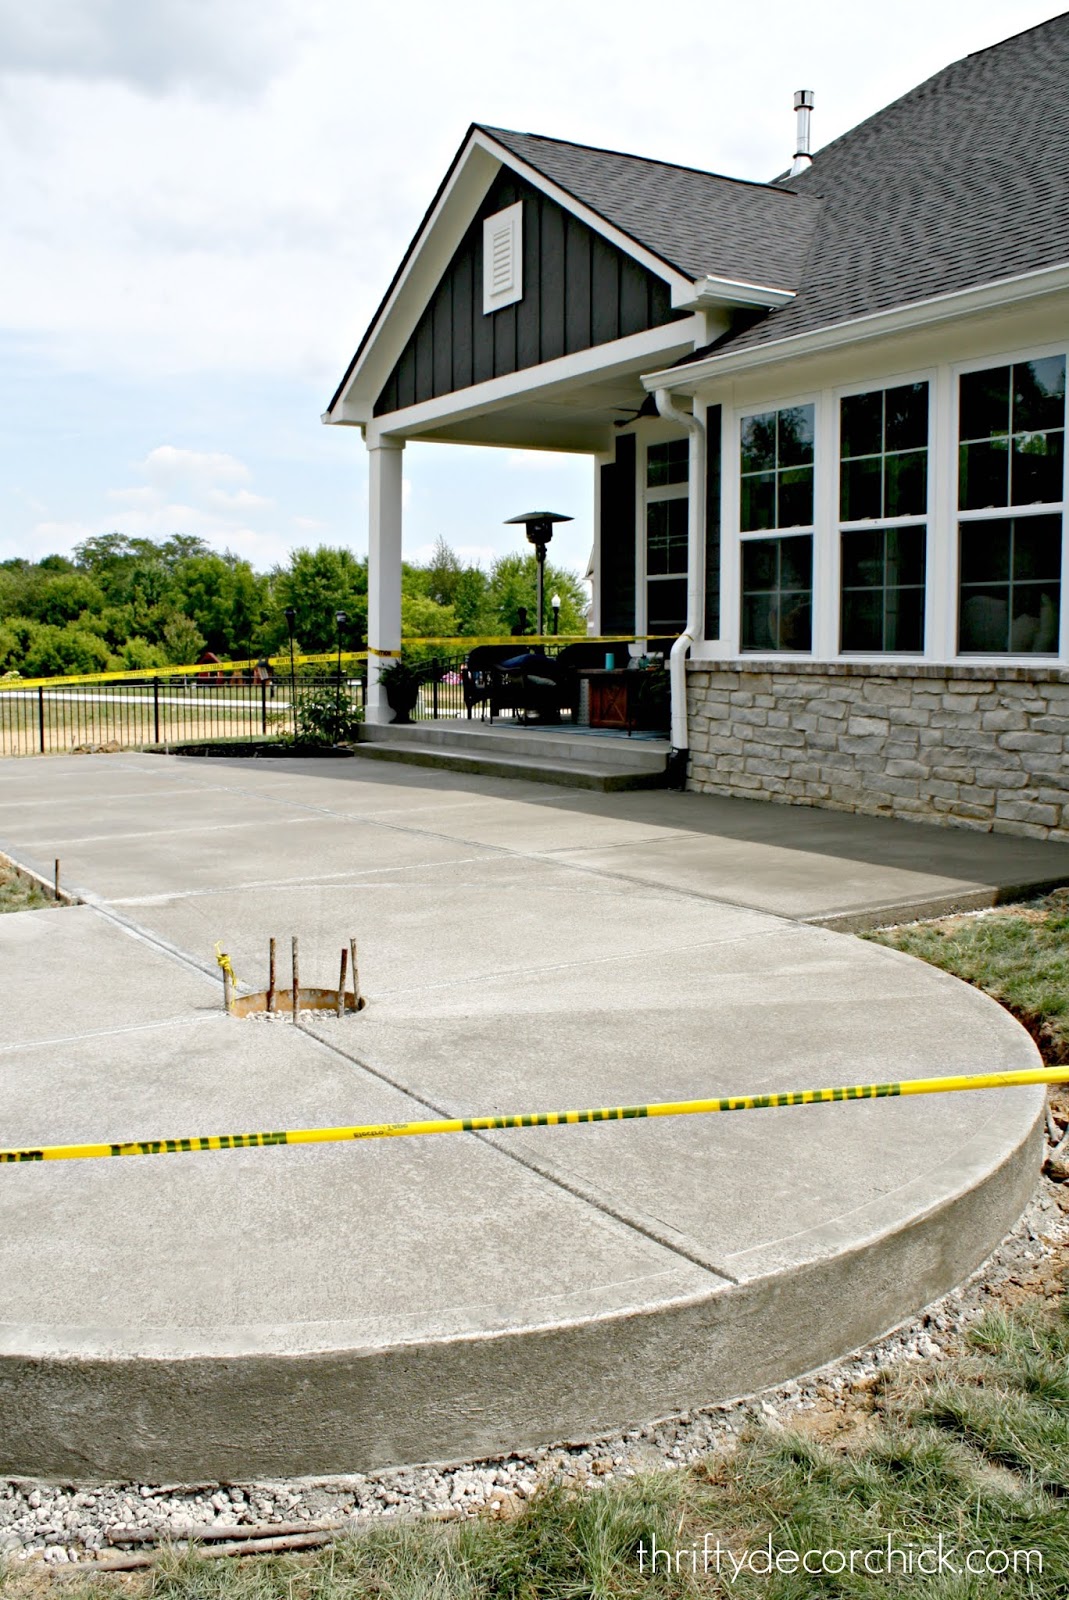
(777,461)
(503,258)
(884,447)
(1011,506)
(665,518)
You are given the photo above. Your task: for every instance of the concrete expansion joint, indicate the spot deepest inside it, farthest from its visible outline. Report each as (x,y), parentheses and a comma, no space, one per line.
(497,1143)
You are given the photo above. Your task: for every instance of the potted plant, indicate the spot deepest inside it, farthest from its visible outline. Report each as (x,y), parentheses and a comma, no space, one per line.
(403,679)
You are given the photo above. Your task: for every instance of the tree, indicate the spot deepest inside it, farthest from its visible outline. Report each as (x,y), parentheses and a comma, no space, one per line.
(445,572)
(470,602)
(514,583)
(224,598)
(423,618)
(182,641)
(63,597)
(317,584)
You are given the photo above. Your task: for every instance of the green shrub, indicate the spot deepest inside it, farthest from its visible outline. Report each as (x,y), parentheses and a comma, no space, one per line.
(327,716)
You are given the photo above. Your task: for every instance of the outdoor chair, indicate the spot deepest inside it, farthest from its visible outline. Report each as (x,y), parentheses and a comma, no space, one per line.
(535,682)
(482,686)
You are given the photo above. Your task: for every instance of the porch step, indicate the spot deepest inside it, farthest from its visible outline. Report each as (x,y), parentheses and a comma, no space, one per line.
(541,755)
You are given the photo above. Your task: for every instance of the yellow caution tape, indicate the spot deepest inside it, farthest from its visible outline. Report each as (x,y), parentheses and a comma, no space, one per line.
(210,670)
(542,1119)
(213,670)
(520,640)
(224,961)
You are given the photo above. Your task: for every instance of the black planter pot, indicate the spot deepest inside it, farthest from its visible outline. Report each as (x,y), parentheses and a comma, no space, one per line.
(402,702)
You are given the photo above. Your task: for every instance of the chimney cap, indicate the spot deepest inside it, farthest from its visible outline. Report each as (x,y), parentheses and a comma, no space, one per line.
(803,99)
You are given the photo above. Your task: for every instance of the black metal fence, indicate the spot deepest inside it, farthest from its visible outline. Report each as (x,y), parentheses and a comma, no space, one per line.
(138,712)
(160,711)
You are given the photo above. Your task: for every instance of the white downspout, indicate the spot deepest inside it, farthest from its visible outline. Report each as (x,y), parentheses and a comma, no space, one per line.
(695,426)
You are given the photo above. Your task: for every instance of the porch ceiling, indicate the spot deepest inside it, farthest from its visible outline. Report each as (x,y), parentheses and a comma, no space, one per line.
(581,420)
(575,415)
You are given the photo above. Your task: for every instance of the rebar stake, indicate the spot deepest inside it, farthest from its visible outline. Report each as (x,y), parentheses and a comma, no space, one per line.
(341,981)
(296,983)
(57,878)
(228,988)
(356,976)
(271,976)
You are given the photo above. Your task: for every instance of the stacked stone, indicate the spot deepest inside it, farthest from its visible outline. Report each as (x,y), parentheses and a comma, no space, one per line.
(977,747)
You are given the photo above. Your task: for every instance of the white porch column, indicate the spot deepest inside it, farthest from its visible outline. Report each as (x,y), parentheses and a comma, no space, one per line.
(385,457)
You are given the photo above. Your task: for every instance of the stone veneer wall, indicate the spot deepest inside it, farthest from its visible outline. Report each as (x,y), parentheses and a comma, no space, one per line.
(977,747)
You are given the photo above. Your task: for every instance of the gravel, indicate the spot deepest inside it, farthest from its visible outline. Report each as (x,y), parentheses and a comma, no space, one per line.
(64,1524)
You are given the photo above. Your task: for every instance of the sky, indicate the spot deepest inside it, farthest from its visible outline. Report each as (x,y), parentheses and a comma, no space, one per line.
(203,201)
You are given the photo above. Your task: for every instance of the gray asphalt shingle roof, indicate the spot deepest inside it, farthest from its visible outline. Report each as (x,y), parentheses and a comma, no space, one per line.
(961,182)
(698,222)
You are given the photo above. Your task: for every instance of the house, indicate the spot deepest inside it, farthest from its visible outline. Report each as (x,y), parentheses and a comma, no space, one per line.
(826,416)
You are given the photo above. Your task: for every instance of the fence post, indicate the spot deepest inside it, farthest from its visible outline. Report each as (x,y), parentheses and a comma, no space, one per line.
(41,716)
(434,705)
(156,710)
(263,706)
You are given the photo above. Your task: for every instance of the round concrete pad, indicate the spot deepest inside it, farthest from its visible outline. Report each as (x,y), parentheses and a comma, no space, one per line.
(343,1307)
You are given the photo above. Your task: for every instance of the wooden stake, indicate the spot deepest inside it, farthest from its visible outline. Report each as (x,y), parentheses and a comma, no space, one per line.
(341,981)
(356,976)
(57,877)
(271,976)
(296,983)
(228,989)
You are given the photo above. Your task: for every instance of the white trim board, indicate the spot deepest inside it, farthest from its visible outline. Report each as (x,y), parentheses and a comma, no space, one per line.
(601,360)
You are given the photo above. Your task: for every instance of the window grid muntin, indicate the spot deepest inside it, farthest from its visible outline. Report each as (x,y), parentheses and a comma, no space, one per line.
(1007,512)
(1008,437)
(885,525)
(793,474)
(668,461)
(776,594)
(1044,643)
(887,453)
(886,591)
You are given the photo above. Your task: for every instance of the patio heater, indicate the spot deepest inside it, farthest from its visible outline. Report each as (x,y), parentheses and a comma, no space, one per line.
(340,619)
(291,619)
(539,526)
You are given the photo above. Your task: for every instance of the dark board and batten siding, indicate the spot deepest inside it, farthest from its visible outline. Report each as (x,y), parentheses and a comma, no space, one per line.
(617,557)
(578,291)
(712,523)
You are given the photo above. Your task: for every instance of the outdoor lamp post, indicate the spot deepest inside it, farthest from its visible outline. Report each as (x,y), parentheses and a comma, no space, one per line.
(341,619)
(539,525)
(555,603)
(291,618)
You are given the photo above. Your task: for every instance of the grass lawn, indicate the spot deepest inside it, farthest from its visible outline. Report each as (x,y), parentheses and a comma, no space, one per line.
(1018,954)
(19,894)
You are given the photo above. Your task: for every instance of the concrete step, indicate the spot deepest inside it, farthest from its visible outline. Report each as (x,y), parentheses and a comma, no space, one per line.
(508,740)
(485,757)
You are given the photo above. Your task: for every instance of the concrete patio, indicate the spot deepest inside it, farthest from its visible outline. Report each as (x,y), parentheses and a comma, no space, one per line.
(350,1306)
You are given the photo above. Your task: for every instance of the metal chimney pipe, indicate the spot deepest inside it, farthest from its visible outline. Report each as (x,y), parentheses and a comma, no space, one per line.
(803,105)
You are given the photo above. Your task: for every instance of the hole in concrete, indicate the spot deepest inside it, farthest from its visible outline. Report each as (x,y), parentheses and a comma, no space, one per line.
(321,1000)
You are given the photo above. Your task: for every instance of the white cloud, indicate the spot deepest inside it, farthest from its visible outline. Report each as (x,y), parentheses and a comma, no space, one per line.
(182,495)
(154,44)
(168,465)
(242,500)
(205,198)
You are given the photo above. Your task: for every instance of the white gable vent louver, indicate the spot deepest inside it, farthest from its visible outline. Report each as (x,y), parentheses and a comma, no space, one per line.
(503,258)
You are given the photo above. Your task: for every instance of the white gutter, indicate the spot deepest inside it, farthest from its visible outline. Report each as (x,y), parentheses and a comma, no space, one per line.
(695,426)
(873,325)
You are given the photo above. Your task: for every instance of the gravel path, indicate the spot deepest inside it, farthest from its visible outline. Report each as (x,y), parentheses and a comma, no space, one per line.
(69,1524)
